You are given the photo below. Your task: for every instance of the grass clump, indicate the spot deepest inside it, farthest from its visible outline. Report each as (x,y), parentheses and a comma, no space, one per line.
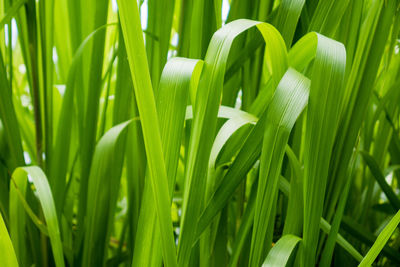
(199,133)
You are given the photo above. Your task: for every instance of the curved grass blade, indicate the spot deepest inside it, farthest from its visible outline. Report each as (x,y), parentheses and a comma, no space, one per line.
(45,196)
(205,118)
(61,150)
(17,215)
(237,121)
(88,99)
(289,100)
(231,127)
(246,158)
(324,107)
(241,165)
(104,182)
(282,251)
(224,112)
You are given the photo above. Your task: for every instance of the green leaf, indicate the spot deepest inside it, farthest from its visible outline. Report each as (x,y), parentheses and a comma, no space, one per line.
(103,194)
(9,120)
(281,251)
(363,235)
(377,173)
(288,102)
(133,35)
(381,241)
(324,107)
(177,80)
(326,16)
(287,18)
(45,196)
(7,251)
(62,147)
(205,118)
(11,12)
(324,225)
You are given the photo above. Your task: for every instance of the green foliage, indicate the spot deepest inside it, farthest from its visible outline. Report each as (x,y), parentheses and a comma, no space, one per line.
(218,133)
(9,258)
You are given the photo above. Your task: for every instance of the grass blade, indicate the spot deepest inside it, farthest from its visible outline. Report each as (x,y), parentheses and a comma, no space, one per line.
(133,35)
(282,251)
(377,173)
(205,118)
(287,18)
(103,193)
(381,241)
(324,107)
(178,77)
(289,100)
(42,187)
(8,255)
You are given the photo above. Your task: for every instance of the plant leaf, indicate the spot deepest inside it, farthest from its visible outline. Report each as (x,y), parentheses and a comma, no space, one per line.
(281,251)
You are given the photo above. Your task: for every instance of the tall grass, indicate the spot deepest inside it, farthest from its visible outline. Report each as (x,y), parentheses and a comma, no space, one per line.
(199,133)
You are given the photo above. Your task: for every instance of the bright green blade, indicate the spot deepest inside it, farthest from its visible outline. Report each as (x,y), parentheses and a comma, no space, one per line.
(282,251)
(381,241)
(133,36)
(324,107)
(205,118)
(62,144)
(178,76)
(289,100)
(8,255)
(103,194)
(42,187)
(9,120)
(287,18)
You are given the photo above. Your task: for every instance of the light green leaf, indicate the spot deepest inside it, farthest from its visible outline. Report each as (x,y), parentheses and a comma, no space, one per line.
(205,118)
(45,196)
(179,76)
(324,108)
(133,35)
(289,100)
(381,241)
(281,251)
(8,257)
(104,182)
